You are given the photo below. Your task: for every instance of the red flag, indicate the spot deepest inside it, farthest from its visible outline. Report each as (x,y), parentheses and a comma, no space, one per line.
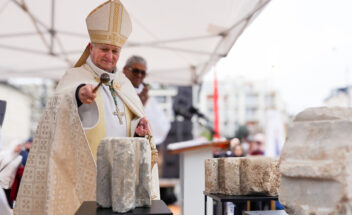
(216,108)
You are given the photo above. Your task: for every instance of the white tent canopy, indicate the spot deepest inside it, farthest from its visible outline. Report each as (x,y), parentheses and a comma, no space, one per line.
(181,40)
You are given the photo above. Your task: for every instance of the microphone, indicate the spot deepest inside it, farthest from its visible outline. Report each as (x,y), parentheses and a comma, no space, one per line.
(195,111)
(146,85)
(182,112)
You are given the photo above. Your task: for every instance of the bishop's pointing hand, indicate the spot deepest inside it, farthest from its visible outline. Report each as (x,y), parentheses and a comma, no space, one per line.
(86,94)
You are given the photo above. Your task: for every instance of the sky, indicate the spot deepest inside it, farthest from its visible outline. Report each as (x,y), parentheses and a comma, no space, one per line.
(301,48)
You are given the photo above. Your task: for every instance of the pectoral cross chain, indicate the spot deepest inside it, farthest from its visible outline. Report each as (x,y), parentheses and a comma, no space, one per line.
(117,112)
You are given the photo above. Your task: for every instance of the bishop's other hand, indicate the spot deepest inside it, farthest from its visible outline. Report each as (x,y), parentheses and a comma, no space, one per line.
(143,128)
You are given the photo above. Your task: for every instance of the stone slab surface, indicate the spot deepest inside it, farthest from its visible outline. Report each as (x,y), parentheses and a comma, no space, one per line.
(259,175)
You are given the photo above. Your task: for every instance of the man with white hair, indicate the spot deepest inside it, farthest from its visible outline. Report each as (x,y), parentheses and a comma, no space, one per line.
(135,70)
(61,168)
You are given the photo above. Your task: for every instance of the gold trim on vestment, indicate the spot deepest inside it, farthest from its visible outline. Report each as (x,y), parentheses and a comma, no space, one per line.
(96,134)
(128,115)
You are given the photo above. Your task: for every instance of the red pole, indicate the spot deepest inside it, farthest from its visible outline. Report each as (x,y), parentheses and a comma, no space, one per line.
(216,108)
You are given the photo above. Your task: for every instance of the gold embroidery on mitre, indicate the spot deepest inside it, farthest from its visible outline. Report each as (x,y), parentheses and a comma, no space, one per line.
(95,37)
(115,22)
(113,35)
(100,38)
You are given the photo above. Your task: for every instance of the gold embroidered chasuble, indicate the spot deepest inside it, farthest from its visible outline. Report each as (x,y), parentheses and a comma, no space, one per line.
(61,170)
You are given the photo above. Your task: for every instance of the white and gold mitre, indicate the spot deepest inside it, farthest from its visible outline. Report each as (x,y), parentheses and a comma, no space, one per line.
(110,24)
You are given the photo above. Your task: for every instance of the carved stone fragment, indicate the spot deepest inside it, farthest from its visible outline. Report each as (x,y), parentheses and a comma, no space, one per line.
(316,163)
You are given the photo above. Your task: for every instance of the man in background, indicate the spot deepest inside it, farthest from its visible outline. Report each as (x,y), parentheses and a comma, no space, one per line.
(135,70)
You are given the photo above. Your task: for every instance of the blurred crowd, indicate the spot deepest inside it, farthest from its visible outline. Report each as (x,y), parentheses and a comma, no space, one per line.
(242,147)
(12,164)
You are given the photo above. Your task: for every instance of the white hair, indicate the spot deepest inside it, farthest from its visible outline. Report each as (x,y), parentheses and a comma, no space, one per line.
(136,59)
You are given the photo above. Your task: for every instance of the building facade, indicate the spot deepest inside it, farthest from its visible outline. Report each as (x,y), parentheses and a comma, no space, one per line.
(240,102)
(339,97)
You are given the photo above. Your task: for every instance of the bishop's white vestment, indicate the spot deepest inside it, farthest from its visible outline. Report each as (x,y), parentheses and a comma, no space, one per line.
(61,168)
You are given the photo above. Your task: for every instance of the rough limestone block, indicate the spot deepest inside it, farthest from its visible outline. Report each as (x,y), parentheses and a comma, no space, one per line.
(259,175)
(211,175)
(103,189)
(242,176)
(123,176)
(229,175)
(124,173)
(316,163)
(143,189)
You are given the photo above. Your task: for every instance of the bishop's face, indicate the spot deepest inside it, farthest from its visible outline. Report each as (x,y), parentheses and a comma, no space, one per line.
(104,56)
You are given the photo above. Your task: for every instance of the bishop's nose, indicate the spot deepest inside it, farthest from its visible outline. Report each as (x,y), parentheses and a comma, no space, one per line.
(108,55)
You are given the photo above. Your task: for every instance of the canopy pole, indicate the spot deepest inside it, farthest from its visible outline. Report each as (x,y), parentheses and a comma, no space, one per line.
(52,29)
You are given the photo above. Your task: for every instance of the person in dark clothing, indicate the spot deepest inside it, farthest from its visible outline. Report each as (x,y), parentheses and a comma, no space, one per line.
(24,153)
(16,184)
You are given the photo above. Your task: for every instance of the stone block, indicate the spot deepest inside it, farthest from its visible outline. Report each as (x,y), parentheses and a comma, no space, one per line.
(316,163)
(123,173)
(242,176)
